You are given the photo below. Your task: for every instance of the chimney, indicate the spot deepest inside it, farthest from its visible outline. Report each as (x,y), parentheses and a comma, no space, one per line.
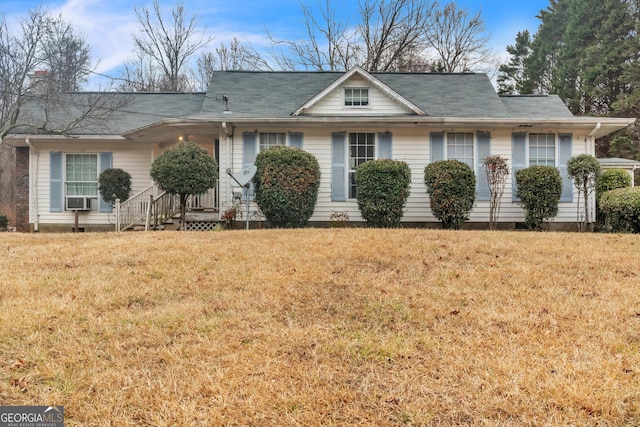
(38,82)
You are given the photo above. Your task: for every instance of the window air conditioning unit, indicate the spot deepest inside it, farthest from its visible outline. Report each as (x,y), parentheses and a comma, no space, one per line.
(78,203)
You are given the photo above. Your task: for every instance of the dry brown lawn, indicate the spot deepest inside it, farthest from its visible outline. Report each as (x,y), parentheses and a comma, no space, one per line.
(323,327)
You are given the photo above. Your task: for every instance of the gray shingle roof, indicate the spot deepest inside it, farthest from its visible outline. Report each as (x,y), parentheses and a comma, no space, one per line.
(276,95)
(536,106)
(133,110)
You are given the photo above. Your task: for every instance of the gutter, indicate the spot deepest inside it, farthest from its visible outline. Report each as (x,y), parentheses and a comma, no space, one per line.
(33,184)
(595,129)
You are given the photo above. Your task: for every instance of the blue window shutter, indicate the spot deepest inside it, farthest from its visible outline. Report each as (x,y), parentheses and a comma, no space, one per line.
(338,167)
(437,146)
(565,147)
(484,151)
(384,145)
(519,154)
(249,148)
(295,140)
(249,153)
(56,187)
(106,161)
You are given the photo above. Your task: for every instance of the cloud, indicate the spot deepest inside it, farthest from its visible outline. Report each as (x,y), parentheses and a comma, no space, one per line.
(107,27)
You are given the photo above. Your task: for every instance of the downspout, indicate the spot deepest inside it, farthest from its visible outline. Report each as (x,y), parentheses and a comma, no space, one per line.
(591,139)
(228,137)
(591,149)
(33,185)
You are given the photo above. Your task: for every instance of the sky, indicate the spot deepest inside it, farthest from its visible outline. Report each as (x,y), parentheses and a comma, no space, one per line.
(108,26)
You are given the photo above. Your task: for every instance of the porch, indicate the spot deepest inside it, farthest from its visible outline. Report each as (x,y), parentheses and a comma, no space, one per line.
(154,209)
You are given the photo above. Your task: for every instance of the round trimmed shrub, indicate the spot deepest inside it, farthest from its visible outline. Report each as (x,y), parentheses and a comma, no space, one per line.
(622,208)
(539,191)
(185,169)
(114,184)
(286,185)
(451,185)
(611,179)
(382,190)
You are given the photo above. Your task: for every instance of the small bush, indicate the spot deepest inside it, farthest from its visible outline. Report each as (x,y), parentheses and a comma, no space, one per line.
(611,179)
(539,191)
(382,190)
(622,208)
(451,185)
(339,219)
(4,222)
(286,185)
(114,184)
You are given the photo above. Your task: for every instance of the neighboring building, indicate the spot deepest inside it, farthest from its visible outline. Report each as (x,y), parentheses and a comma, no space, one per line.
(342,118)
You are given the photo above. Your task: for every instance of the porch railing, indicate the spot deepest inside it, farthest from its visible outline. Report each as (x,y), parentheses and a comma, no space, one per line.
(153,211)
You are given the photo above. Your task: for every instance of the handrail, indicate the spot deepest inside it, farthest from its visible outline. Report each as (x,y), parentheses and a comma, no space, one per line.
(153,211)
(134,209)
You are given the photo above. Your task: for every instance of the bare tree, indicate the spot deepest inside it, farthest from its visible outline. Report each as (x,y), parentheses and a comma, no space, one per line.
(398,35)
(234,56)
(66,55)
(393,33)
(167,44)
(32,74)
(330,45)
(458,41)
(141,75)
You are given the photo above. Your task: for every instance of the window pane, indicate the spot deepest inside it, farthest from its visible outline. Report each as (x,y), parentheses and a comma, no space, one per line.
(356,97)
(271,139)
(81,174)
(460,147)
(542,149)
(361,149)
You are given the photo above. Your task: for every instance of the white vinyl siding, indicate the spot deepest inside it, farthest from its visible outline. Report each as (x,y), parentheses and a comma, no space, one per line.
(134,159)
(379,103)
(411,145)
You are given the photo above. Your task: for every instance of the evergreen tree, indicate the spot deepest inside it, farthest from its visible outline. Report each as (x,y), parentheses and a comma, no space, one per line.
(513,78)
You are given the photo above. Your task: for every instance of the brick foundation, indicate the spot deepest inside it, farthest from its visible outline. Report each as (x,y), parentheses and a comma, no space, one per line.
(22,189)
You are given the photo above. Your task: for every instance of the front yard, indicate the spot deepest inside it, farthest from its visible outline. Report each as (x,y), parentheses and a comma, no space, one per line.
(323,327)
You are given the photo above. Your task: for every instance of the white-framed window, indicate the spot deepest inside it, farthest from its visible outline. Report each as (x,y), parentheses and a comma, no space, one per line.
(81,175)
(470,148)
(460,146)
(542,149)
(348,151)
(356,97)
(271,139)
(362,148)
(73,180)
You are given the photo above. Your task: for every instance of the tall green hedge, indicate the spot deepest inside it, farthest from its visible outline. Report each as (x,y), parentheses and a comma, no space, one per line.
(451,185)
(611,179)
(286,185)
(622,208)
(539,191)
(382,190)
